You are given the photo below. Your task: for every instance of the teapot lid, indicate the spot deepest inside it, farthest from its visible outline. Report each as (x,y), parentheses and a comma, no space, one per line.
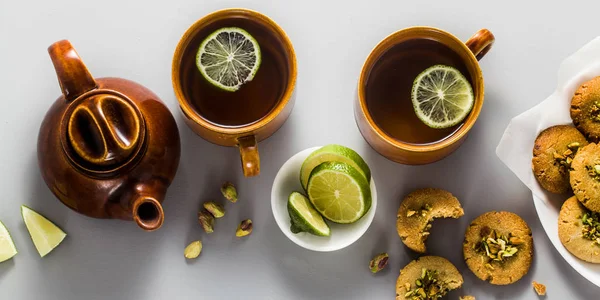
(102,131)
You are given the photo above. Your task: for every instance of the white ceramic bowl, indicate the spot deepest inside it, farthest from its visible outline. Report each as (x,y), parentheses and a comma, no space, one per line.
(342,235)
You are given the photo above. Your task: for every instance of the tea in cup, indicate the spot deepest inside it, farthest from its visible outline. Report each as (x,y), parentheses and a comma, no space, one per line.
(384,110)
(240,115)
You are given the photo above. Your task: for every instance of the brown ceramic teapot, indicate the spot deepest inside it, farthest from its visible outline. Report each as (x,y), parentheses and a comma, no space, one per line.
(108,147)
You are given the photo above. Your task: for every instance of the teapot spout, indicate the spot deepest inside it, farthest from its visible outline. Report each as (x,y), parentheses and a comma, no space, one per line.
(147,212)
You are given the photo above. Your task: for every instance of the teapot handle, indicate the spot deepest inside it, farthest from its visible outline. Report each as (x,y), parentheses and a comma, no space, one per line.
(73,77)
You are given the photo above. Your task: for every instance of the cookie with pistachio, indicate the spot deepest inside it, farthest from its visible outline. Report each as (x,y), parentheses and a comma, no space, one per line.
(429,277)
(553,153)
(417,212)
(579,230)
(585,176)
(498,247)
(585,109)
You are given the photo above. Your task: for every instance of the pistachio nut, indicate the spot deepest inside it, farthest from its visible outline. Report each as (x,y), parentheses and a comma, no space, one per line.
(244,229)
(193,250)
(206,220)
(379,262)
(229,192)
(214,209)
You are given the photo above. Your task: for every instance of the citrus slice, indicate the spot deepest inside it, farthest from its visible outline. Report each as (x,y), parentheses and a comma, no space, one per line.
(442,97)
(7,246)
(228,58)
(305,218)
(339,192)
(336,153)
(44,234)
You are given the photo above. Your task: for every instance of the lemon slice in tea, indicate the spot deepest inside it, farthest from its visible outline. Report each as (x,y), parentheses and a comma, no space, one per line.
(442,97)
(304,217)
(7,246)
(228,58)
(45,235)
(339,192)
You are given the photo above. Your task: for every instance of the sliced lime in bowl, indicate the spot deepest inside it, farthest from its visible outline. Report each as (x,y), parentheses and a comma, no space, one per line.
(304,217)
(442,96)
(228,58)
(339,192)
(336,153)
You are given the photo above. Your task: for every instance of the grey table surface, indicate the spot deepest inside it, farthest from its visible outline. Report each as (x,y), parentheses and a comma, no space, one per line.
(135,39)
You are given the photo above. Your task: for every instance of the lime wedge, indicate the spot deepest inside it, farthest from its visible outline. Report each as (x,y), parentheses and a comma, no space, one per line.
(7,246)
(336,153)
(304,216)
(44,234)
(228,58)
(442,97)
(339,192)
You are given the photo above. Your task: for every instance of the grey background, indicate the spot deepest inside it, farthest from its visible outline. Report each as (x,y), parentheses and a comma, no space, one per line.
(136,39)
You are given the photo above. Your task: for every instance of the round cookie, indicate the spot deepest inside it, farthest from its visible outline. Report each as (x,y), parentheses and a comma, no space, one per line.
(505,264)
(572,233)
(585,109)
(585,176)
(440,275)
(417,211)
(553,152)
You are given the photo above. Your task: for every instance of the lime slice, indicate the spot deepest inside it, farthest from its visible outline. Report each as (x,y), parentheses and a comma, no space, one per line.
(333,153)
(304,216)
(228,58)
(442,97)
(7,246)
(339,192)
(44,234)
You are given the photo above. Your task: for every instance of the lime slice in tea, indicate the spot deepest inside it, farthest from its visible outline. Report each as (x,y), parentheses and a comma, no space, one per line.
(339,192)
(44,234)
(442,97)
(7,246)
(305,218)
(228,58)
(333,153)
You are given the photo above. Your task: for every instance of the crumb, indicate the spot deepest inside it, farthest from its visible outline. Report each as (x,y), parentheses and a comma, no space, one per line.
(467,298)
(539,288)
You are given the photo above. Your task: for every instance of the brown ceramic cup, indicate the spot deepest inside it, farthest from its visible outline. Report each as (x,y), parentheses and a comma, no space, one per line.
(414,154)
(247,136)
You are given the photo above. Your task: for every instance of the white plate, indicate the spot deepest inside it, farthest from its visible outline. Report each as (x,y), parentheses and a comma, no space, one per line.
(515,147)
(342,235)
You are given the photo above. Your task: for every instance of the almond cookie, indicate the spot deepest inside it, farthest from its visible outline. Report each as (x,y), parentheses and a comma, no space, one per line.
(429,277)
(578,230)
(498,247)
(418,210)
(585,109)
(553,153)
(585,176)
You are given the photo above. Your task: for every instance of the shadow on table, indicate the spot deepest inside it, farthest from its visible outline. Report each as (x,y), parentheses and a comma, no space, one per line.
(5,268)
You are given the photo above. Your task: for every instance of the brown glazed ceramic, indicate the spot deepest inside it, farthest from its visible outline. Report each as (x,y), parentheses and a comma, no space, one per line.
(244,137)
(470,52)
(108,147)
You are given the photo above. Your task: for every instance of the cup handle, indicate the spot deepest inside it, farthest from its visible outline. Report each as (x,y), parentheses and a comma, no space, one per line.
(249,155)
(481,42)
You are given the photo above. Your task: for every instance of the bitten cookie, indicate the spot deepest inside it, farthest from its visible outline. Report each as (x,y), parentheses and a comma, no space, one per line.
(585,109)
(585,176)
(429,277)
(417,211)
(578,230)
(498,247)
(553,153)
